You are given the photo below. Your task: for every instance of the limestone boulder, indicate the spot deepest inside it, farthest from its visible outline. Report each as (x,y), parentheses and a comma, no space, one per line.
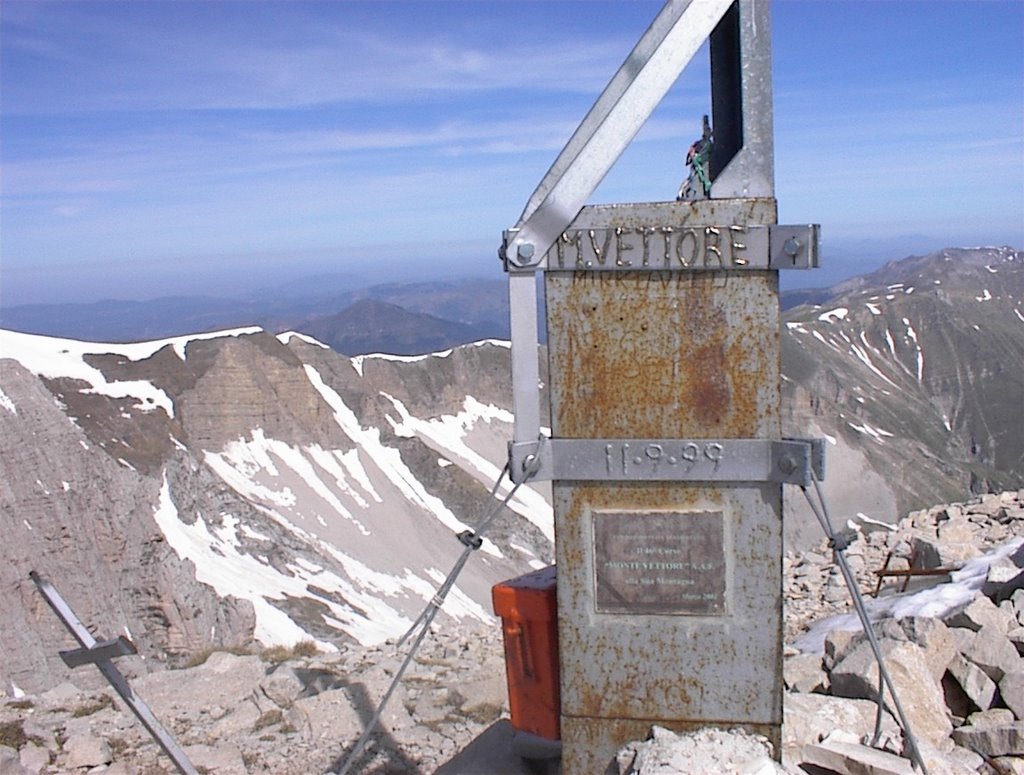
(920,695)
(810,718)
(843,756)
(87,751)
(9,763)
(804,673)
(979,612)
(993,653)
(975,683)
(1011,688)
(1004,740)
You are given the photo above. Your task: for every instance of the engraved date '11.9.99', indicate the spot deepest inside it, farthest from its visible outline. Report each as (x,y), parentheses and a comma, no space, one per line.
(625,458)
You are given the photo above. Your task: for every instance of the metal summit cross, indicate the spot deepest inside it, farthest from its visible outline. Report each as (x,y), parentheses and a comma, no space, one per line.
(665,450)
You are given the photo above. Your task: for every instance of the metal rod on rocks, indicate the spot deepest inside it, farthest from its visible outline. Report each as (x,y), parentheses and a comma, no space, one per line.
(486,521)
(99,654)
(473,540)
(838,545)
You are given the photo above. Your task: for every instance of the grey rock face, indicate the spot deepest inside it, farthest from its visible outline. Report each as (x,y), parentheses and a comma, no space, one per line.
(1005,740)
(98,545)
(245,469)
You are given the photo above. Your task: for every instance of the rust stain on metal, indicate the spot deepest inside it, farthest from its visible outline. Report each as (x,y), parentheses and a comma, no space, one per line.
(667,355)
(661,358)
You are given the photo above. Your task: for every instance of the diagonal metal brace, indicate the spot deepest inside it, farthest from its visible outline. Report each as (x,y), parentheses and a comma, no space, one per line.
(628,100)
(100,653)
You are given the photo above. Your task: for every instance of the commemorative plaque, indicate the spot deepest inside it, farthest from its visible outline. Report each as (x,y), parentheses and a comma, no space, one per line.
(660,562)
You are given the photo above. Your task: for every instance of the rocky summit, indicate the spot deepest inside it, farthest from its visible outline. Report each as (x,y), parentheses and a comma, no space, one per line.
(952,639)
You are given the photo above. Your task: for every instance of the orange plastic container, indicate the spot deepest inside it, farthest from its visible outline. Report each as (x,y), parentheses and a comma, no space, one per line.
(529,616)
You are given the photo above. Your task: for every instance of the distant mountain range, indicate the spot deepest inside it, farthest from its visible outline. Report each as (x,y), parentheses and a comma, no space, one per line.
(333,308)
(211,489)
(447,312)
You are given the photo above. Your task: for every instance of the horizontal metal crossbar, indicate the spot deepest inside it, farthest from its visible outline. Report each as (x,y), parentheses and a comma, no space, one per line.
(787,461)
(659,245)
(103,650)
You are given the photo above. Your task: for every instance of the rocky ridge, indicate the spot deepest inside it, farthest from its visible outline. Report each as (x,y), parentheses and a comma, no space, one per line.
(959,674)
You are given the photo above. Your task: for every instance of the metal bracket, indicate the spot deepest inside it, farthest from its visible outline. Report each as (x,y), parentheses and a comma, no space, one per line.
(794,247)
(787,461)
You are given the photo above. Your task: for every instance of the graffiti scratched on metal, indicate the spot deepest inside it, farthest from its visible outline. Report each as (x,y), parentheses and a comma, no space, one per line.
(649,354)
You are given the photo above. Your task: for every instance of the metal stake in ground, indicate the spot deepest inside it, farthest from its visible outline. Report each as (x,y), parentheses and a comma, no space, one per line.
(100,654)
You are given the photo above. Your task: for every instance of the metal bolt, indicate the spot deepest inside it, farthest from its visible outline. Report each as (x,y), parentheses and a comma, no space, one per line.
(792,248)
(524,252)
(787,464)
(529,460)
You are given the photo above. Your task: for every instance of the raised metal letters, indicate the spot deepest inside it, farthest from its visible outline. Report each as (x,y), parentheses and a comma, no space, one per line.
(660,562)
(661,247)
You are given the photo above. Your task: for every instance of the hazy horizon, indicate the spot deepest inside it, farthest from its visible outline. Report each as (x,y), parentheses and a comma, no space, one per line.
(155,149)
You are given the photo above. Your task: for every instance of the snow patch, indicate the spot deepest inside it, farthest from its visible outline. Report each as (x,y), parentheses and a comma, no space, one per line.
(920,355)
(365,616)
(935,602)
(458,603)
(7,403)
(875,433)
(985,295)
(242,462)
(839,313)
(388,459)
(866,360)
(219,564)
(890,342)
(55,358)
(447,434)
(287,337)
(874,308)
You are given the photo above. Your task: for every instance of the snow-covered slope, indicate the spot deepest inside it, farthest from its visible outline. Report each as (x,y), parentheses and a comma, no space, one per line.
(282,474)
(916,374)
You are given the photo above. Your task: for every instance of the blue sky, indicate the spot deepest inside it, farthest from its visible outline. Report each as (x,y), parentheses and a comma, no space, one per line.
(156,148)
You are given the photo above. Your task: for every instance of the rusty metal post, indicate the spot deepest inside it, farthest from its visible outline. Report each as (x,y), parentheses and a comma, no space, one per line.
(669,594)
(665,450)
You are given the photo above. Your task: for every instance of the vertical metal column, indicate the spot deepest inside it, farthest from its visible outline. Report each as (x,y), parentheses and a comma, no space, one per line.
(663,347)
(666,355)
